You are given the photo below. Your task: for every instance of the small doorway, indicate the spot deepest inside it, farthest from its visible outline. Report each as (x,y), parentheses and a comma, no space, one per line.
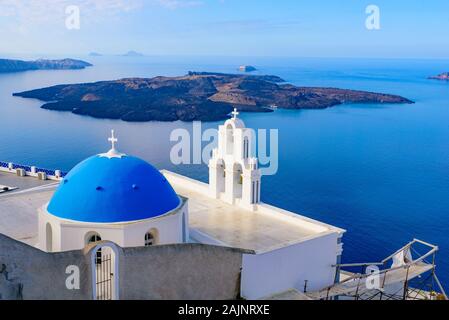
(105,272)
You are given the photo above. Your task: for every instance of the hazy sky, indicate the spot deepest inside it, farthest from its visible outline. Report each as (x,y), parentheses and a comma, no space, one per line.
(306,28)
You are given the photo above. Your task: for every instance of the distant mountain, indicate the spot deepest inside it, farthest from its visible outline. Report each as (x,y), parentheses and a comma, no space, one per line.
(7,65)
(133,54)
(196,96)
(95,54)
(441,76)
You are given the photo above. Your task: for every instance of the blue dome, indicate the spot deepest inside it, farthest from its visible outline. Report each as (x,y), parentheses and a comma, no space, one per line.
(105,189)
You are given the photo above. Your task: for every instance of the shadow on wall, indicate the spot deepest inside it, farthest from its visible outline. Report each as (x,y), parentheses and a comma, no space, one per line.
(179,271)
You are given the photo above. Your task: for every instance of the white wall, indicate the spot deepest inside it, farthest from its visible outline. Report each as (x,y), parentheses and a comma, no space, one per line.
(71,235)
(74,235)
(276,271)
(44,218)
(169,229)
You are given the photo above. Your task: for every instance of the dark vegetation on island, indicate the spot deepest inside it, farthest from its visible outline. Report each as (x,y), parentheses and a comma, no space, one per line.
(7,65)
(195,96)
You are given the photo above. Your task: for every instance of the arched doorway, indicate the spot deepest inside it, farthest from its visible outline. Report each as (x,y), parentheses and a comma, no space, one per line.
(105,272)
(49,238)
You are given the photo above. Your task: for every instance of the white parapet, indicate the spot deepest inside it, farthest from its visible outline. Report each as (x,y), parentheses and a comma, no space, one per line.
(21,173)
(42,176)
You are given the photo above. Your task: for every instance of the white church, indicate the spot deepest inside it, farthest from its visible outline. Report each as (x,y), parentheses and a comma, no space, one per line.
(120,198)
(128,231)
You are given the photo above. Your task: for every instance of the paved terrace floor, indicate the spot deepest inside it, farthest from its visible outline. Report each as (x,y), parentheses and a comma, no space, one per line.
(238,227)
(18,208)
(232,226)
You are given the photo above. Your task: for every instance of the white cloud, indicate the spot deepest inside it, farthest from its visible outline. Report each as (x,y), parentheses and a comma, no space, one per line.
(28,13)
(46,8)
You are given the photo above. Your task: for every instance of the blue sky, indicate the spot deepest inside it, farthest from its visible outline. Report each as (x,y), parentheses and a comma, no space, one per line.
(294,28)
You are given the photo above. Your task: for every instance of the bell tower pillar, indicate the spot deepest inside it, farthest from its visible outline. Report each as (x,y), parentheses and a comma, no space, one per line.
(234,174)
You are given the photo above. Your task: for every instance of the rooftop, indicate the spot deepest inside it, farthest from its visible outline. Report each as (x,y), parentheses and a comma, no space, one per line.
(264,230)
(236,227)
(18,208)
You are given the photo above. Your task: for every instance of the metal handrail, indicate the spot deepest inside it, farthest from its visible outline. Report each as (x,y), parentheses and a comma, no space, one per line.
(357,264)
(406,265)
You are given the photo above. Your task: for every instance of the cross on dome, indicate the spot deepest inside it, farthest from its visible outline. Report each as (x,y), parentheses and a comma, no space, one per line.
(235,113)
(113,153)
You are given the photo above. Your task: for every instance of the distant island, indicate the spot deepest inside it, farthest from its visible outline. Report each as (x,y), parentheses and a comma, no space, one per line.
(7,65)
(133,54)
(247,68)
(95,54)
(195,96)
(441,76)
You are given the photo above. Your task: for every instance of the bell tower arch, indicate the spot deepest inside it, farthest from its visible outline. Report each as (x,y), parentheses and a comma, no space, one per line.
(234,175)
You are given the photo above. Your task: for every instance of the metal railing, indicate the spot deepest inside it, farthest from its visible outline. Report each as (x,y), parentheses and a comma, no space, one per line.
(407,265)
(28,169)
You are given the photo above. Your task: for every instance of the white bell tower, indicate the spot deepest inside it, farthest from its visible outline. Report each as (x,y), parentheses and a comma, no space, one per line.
(234,175)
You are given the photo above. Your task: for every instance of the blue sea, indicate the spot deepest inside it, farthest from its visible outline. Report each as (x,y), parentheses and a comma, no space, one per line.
(379,171)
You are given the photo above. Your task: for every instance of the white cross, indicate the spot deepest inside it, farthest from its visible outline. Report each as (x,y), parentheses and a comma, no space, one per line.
(235,113)
(113,140)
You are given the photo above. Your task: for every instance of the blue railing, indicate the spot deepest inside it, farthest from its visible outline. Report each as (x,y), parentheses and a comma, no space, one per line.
(28,169)
(19,166)
(48,172)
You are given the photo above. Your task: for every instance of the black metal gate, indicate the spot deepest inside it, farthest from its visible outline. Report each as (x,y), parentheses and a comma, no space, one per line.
(104,276)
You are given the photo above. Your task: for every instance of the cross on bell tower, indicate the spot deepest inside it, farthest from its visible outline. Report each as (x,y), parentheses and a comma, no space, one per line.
(235,113)
(113,140)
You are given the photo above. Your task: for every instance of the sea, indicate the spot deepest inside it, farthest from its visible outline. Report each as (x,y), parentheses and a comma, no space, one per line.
(381,172)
